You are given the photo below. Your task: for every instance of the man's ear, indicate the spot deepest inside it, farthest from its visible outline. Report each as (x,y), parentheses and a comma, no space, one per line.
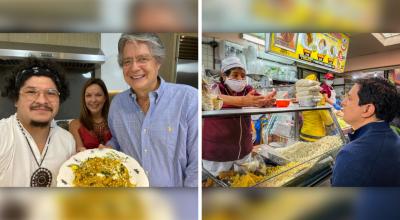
(368,111)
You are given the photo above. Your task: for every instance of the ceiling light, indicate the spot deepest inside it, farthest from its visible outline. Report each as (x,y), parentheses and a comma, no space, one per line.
(387,39)
(253,39)
(387,35)
(87,75)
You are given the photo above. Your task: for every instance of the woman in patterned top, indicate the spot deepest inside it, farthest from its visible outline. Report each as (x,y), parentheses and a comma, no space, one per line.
(91,129)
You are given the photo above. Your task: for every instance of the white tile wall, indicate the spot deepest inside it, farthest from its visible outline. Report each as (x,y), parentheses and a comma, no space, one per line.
(207,56)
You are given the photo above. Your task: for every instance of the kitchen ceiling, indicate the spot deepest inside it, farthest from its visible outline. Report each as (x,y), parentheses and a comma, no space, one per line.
(366,43)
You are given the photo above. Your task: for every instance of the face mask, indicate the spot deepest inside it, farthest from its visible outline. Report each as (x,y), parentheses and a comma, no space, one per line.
(236,85)
(329,82)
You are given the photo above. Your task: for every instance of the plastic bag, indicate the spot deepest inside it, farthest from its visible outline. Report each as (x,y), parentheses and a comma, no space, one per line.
(306,83)
(310,88)
(251,164)
(270,153)
(309,101)
(307,93)
(210,99)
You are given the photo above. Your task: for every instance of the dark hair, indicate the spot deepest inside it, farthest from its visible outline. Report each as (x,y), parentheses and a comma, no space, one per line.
(35,67)
(86,117)
(382,94)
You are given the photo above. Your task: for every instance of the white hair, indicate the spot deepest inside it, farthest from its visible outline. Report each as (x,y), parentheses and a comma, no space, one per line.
(152,40)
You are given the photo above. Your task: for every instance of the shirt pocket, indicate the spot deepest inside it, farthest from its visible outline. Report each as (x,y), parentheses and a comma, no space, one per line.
(165,138)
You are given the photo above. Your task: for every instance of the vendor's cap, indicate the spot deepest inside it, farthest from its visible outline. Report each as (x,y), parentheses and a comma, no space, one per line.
(312,77)
(329,76)
(231,62)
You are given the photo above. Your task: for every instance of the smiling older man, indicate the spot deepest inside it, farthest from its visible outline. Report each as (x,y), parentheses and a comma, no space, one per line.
(154,121)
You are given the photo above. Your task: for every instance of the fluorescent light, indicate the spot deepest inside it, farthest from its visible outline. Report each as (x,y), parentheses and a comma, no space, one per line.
(187,67)
(253,39)
(277,58)
(87,75)
(387,39)
(387,35)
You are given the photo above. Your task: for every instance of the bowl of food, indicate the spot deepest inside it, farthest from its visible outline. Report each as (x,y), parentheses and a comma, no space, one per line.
(281,103)
(101,168)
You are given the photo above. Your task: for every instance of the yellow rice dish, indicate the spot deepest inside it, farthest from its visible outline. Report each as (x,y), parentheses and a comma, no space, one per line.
(101,172)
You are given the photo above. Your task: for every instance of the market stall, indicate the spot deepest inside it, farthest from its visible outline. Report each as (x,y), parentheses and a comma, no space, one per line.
(283,160)
(281,156)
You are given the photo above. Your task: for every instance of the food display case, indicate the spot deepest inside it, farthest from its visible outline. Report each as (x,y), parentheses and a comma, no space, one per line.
(282,158)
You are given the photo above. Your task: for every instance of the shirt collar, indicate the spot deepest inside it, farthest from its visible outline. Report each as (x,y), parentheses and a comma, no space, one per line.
(53,124)
(367,128)
(156,94)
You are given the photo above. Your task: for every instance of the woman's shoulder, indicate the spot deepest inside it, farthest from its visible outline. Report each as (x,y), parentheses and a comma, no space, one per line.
(248,89)
(74,124)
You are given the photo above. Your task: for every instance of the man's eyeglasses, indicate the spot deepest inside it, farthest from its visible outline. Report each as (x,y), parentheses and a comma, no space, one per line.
(140,60)
(33,93)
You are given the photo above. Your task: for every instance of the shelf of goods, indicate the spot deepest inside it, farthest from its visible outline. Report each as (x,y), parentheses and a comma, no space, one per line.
(298,163)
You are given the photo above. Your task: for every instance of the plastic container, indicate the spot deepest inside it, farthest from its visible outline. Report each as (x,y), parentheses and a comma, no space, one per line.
(282,94)
(281,103)
(308,101)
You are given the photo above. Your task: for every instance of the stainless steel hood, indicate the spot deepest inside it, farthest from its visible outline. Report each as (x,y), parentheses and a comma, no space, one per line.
(10,51)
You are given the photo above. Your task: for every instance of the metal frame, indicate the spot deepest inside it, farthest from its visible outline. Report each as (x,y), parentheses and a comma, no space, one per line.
(252,111)
(11,50)
(296,109)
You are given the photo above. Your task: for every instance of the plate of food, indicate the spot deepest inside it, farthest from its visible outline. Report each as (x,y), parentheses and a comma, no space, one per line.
(101,168)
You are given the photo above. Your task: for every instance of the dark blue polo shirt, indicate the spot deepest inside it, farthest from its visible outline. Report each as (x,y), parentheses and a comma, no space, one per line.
(372,158)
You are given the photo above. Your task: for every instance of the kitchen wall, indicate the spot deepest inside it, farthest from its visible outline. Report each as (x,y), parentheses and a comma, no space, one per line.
(69,109)
(207,54)
(91,40)
(168,67)
(111,73)
(373,61)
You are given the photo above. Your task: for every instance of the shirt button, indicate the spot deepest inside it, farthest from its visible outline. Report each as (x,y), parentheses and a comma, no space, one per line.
(144,130)
(145,150)
(147,172)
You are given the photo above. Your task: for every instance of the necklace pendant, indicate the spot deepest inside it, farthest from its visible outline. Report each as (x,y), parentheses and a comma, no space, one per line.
(41,178)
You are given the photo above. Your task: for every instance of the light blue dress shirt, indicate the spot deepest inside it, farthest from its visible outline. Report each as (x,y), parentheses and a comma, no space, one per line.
(163,140)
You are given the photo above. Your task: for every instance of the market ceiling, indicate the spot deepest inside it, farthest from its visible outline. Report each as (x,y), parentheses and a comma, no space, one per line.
(366,43)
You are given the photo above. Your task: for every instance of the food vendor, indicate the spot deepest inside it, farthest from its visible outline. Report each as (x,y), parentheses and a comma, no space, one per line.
(372,158)
(229,139)
(328,91)
(315,123)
